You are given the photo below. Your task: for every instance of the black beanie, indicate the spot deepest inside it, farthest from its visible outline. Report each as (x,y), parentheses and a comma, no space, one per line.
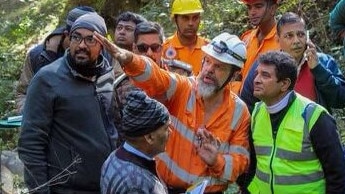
(142,114)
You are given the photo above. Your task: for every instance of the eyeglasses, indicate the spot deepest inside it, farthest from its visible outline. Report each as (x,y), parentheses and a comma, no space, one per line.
(89,40)
(223,48)
(154,48)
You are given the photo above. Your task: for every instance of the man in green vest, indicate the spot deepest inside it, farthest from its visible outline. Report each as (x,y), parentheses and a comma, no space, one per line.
(296,141)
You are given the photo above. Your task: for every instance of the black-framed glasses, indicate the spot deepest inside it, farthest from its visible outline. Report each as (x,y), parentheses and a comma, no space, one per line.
(144,47)
(89,40)
(223,48)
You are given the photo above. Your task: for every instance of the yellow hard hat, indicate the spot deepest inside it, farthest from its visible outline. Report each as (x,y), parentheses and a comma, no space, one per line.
(186,7)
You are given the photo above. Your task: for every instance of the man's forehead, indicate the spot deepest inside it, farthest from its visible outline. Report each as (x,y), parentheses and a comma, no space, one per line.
(149,38)
(127,23)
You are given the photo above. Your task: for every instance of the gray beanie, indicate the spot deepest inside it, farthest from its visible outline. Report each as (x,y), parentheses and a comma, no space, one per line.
(90,21)
(142,115)
(75,13)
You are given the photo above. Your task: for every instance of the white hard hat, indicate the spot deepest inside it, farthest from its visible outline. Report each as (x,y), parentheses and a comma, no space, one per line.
(227,48)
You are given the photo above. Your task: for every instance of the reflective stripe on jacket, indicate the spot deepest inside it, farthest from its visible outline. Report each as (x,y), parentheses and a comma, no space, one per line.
(287,163)
(180,166)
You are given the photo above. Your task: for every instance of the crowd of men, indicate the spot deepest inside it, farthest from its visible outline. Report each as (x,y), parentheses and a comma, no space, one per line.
(149,114)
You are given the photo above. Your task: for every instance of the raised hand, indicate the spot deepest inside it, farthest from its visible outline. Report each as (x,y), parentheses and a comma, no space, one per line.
(208,146)
(122,55)
(311,55)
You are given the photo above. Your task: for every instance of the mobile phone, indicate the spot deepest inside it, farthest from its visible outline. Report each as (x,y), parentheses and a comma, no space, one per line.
(308,39)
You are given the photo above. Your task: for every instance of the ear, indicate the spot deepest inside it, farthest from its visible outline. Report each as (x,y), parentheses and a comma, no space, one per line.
(285,84)
(149,138)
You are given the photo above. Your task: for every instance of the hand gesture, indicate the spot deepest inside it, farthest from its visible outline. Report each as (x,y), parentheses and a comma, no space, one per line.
(311,55)
(122,55)
(208,146)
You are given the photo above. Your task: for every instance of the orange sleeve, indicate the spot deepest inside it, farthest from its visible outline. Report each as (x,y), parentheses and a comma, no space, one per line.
(239,160)
(147,75)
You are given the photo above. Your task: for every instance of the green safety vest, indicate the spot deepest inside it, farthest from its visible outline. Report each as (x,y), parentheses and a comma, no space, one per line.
(287,164)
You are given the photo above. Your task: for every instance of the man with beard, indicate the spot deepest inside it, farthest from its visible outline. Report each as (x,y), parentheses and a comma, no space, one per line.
(68,126)
(52,48)
(210,123)
(260,39)
(319,76)
(185,45)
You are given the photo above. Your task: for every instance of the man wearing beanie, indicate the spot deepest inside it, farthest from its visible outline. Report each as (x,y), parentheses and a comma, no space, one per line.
(131,168)
(67,128)
(52,48)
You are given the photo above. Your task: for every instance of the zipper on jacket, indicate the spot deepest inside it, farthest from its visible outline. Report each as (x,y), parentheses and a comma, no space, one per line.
(274,135)
(104,115)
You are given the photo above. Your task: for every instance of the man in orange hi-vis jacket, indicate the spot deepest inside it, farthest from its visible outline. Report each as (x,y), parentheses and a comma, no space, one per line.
(263,37)
(210,123)
(185,45)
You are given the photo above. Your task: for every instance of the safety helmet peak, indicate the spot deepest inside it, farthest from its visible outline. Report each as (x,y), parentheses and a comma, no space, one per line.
(182,7)
(227,48)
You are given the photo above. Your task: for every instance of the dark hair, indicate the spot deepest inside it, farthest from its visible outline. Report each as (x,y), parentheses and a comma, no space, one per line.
(288,18)
(129,16)
(285,65)
(148,27)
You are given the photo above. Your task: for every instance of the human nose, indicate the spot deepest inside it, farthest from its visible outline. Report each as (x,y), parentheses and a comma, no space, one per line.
(149,51)
(297,39)
(256,79)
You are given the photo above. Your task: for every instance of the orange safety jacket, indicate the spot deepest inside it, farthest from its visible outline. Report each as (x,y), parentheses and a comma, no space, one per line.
(173,49)
(180,166)
(270,42)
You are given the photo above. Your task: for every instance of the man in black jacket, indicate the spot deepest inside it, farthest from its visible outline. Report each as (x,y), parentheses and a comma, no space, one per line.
(68,128)
(52,48)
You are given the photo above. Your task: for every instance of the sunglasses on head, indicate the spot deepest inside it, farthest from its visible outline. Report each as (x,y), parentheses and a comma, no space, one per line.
(144,47)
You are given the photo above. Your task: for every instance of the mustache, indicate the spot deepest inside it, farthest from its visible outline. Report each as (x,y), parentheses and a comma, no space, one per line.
(83,50)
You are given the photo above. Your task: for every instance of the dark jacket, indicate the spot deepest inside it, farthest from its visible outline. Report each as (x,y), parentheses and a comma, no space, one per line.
(66,129)
(36,58)
(137,174)
(325,143)
(337,21)
(329,82)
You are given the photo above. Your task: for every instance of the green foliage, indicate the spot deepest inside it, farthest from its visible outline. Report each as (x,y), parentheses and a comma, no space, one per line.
(24,24)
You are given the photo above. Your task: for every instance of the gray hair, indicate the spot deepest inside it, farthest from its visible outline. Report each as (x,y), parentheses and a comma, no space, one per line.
(148,27)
